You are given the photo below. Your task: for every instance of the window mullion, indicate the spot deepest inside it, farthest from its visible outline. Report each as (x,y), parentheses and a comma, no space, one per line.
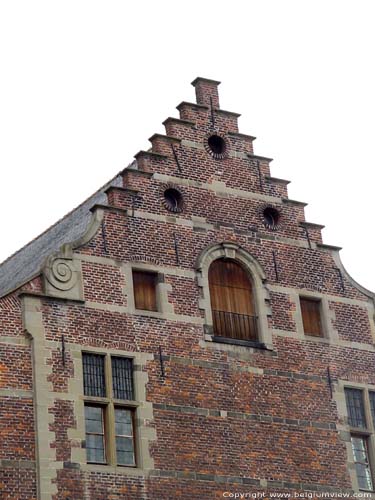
(111,448)
(368,416)
(108,378)
(110,413)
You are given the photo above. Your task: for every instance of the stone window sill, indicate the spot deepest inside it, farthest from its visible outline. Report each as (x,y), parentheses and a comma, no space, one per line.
(244,343)
(114,469)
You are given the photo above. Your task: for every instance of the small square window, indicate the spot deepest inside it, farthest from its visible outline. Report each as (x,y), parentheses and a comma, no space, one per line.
(144,284)
(311,317)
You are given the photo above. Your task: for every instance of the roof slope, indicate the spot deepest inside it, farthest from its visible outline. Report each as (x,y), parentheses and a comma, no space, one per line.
(27,262)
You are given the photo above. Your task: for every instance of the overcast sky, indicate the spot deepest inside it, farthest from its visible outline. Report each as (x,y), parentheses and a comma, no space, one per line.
(83,85)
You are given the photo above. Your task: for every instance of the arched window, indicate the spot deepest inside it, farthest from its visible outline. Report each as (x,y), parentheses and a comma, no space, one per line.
(232,301)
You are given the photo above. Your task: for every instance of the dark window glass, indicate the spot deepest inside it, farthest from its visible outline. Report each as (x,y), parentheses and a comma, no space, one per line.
(122,378)
(356,411)
(362,467)
(93,375)
(124,436)
(372,405)
(310,310)
(94,421)
(145,290)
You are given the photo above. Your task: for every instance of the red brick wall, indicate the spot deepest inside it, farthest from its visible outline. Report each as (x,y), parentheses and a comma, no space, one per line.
(240,416)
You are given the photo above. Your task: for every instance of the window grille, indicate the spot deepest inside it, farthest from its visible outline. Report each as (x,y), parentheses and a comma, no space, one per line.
(93,375)
(372,406)
(122,378)
(356,410)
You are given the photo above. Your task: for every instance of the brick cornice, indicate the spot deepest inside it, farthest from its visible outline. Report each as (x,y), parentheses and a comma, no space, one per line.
(150,154)
(137,171)
(276,180)
(289,201)
(192,104)
(313,225)
(122,189)
(165,137)
(208,80)
(257,157)
(178,120)
(242,136)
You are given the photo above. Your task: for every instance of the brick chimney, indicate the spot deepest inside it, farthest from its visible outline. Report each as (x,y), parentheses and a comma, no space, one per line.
(206,91)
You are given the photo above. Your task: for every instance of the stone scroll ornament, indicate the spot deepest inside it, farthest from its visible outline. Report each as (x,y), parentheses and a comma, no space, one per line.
(60,273)
(63,275)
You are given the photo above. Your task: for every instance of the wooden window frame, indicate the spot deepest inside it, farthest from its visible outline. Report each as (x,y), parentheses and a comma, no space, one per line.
(103,433)
(227,319)
(367,433)
(261,296)
(156,278)
(317,300)
(109,403)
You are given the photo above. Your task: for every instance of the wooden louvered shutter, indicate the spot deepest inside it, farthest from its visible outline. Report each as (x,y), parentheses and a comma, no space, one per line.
(231,300)
(310,310)
(145,290)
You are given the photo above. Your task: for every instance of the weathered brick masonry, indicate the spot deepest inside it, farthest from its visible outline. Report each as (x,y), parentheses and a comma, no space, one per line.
(212,413)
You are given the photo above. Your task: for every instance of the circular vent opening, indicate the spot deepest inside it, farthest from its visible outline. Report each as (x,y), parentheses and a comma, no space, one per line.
(271,217)
(173,200)
(217,145)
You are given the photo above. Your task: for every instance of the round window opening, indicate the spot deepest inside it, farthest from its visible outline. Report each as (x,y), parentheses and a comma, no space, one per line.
(217,146)
(271,217)
(173,200)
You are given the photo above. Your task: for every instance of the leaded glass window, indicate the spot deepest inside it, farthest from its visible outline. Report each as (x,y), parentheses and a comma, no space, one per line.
(362,466)
(95,445)
(355,406)
(124,436)
(109,424)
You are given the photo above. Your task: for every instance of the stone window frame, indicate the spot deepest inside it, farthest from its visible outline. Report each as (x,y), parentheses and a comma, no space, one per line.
(110,403)
(258,279)
(347,430)
(143,435)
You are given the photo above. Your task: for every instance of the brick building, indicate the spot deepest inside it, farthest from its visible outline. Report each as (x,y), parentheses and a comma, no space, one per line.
(185,333)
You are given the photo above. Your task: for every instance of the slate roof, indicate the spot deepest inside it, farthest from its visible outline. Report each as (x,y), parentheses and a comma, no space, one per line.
(27,262)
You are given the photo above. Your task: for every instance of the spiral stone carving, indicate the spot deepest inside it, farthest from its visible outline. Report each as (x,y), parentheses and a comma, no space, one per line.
(60,273)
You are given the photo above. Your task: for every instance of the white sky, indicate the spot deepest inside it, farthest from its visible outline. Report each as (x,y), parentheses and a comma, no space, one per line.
(83,84)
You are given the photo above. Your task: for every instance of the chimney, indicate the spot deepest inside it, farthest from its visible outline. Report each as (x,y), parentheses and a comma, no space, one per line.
(206,91)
